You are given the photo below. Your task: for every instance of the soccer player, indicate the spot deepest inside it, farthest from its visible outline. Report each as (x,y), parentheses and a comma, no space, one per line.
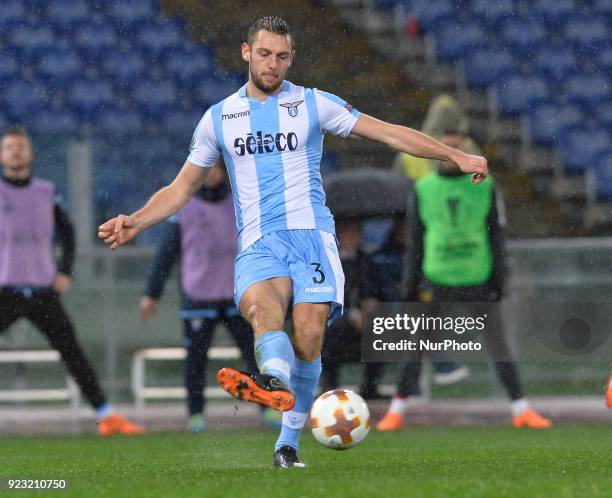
(270,133)
(30,281)
(457,254)
(609,393)
(203,236)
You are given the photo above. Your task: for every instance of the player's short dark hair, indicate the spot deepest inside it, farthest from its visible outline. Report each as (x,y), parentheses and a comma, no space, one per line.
(272,24)
(12,131)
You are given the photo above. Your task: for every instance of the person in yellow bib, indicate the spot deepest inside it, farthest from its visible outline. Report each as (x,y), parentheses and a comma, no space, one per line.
(457,255)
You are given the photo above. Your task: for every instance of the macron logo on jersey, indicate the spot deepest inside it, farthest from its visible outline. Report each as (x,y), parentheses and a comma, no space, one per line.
(260,143)
(235,115)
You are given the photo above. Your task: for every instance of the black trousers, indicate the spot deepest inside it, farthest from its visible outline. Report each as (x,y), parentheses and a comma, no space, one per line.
(199,334)
(342,344)
(497,347)
(44,309)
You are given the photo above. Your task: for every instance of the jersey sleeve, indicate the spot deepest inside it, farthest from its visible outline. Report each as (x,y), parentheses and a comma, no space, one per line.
(204,149)
(335,115)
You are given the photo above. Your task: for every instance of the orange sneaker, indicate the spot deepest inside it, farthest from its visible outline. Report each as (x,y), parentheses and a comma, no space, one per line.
(391,422)
(263,389)
(531,419)
(609,393)
(116,424)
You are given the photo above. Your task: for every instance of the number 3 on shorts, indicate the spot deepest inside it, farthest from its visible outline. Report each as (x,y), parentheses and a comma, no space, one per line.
(321,276)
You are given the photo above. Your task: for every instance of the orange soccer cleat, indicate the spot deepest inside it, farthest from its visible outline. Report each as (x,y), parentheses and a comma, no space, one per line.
(116,424)
(531,419)
(609,393)
(391,422)
(266,390)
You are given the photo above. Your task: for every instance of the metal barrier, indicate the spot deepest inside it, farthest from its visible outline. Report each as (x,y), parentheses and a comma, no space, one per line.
(141,392)
(71,392)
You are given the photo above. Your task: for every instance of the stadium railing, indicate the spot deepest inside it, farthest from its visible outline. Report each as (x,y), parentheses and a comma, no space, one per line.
(70,392)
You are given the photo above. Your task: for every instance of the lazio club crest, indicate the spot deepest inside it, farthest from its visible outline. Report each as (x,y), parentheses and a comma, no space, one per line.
(292,107)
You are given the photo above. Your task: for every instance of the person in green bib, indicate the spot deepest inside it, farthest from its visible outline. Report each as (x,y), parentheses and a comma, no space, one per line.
(456,254)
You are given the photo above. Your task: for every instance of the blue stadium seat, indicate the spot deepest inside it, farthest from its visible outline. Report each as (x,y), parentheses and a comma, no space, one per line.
(604,59)
(553,11)
(602,175)
(212,91)
(155,98)
(546,120)
(492,13)
(12,11)
(182,123)
(49,122)
(124,67)
(433,13)
(132,13)
(580,148)
(60,66)
(161,37)
(190,67)
(523,36)
(556,63)
(95,39)
(457,40)
(32,39)
(587,89)
(24,98)
(9,67)
(118,122)
(604,114)
(603,8)
(66,15)
(587,33)
(484,66)
(517,93)
(88,97)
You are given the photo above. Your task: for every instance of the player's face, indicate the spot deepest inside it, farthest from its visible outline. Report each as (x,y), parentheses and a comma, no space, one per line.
(16,152)
(269,58)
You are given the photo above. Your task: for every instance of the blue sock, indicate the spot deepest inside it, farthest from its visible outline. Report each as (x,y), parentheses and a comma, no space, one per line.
(104,411)
(274,355)
(304,381)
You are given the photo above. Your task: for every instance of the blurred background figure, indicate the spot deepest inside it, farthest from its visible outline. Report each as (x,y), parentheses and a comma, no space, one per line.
(342,340)
(389,263)
(456,253)
(31,282)
(203,236)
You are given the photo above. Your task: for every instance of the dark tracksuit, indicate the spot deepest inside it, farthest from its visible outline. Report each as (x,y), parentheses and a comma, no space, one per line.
(200,316)
(25,284)
(342,341)
(490,290)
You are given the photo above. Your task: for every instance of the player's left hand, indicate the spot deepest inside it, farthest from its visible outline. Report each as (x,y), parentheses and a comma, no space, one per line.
(118,231)
(477,165)
(61,283)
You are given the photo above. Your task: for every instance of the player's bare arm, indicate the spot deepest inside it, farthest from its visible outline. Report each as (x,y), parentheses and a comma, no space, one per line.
(163,204)
(418,144)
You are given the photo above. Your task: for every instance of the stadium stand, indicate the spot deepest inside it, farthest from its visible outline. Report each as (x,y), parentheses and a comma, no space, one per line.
(548,74)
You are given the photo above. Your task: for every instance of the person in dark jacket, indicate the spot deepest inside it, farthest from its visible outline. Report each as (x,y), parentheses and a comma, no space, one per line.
(457,254)
(342,342)
(203,237)
(31,281)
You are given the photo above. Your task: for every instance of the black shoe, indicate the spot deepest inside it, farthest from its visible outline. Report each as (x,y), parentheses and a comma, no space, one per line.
(286,457)
(264,389)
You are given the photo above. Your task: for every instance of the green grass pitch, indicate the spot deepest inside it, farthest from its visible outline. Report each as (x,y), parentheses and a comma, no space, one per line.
(567,461)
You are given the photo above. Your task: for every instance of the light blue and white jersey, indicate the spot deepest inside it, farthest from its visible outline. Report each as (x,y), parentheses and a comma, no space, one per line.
(272,151)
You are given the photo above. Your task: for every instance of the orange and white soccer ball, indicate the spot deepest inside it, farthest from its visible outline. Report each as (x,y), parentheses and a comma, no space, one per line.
(340,419)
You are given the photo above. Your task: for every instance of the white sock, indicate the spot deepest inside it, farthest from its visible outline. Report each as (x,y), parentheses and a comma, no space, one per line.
(399,405)
(519,406)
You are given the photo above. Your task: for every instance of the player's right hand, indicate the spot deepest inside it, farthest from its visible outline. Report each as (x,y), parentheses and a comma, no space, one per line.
(147,307)
(118,231)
